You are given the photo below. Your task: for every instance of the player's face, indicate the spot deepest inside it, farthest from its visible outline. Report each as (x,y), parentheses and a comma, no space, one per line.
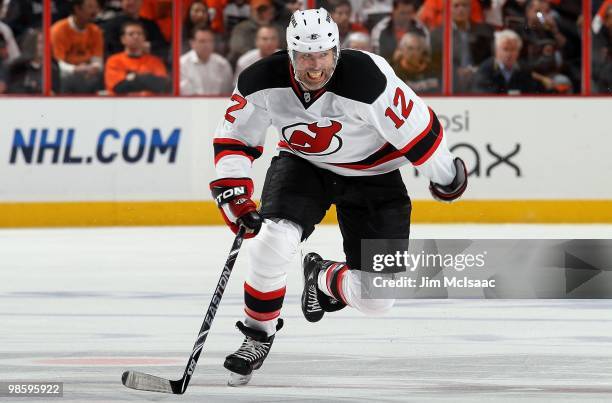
(314,69)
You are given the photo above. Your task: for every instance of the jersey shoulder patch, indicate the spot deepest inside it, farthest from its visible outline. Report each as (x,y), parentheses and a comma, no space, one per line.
(357,77)
(269,72)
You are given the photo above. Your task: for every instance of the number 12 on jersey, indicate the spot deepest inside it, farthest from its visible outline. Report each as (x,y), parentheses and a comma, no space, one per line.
(399,100)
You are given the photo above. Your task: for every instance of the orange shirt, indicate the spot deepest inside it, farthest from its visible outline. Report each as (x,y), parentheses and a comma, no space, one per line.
(215,9)
(604,8)
(160,11)
(76,47)
(119,65)
(431,13)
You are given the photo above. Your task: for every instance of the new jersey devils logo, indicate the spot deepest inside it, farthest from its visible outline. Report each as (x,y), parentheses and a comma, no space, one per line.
(312,139)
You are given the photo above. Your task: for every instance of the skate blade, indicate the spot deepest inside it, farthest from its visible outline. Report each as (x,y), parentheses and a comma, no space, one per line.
(236,380)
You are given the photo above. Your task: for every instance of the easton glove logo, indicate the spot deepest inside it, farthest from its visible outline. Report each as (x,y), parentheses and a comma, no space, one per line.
(312,139)
(226,195)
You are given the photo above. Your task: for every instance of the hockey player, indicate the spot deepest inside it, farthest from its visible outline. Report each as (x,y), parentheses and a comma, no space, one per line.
(346,123)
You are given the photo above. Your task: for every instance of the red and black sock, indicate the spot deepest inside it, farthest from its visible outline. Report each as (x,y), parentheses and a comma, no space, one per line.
(334,273)
(263,306)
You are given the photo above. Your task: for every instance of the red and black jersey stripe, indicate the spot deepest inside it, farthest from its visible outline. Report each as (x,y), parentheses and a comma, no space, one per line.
(224,147)
(386,153)
(263,305)
(417,151)
(423,145)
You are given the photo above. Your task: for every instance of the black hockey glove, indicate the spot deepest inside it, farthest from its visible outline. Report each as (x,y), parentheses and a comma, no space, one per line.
(233,197)
(455,189)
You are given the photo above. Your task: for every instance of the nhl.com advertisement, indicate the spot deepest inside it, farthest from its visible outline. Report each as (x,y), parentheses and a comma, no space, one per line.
(56,145)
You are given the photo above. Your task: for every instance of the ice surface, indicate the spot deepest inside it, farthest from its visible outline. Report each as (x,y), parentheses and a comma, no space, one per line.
(80,306)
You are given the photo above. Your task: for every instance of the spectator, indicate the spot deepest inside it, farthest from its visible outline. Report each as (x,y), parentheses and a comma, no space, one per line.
(134,71)
(387,33)
(243,35)
(204,72)
(78,46)
(25,73)
(502,73)
(59,11)
(544,23)
(340,11)
(11,48)
(234,13)
(130,12)
(602,54)
(566,15)
(513,8)
(17,14)
(599,18)
(546,70)
(284,11)
(160,11)
(266,43)
(432,12)
(215,13)
(472,45)
(197,15)
(370,12)
(540,25)
(411,64)
(493,13)
(359,41)
(110,9)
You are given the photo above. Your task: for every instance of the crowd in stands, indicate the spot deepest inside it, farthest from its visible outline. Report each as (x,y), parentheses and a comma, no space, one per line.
(124,47)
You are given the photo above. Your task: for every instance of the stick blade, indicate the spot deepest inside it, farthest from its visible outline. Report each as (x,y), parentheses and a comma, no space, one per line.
(141,381)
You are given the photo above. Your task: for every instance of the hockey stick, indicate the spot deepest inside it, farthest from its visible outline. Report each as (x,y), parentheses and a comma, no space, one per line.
(141,381)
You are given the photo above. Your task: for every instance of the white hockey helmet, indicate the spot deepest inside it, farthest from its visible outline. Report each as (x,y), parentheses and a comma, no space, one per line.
(312,30)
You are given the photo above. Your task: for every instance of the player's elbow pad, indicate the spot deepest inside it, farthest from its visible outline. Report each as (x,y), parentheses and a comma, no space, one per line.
(454,190)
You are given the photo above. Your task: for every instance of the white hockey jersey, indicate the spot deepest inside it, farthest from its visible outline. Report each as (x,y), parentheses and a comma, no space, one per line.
(365,121)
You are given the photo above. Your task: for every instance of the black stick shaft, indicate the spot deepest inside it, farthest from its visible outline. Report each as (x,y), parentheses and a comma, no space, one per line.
(210,313)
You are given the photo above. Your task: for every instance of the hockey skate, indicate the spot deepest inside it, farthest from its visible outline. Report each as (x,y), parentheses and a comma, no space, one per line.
(314,302)
(251,354)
